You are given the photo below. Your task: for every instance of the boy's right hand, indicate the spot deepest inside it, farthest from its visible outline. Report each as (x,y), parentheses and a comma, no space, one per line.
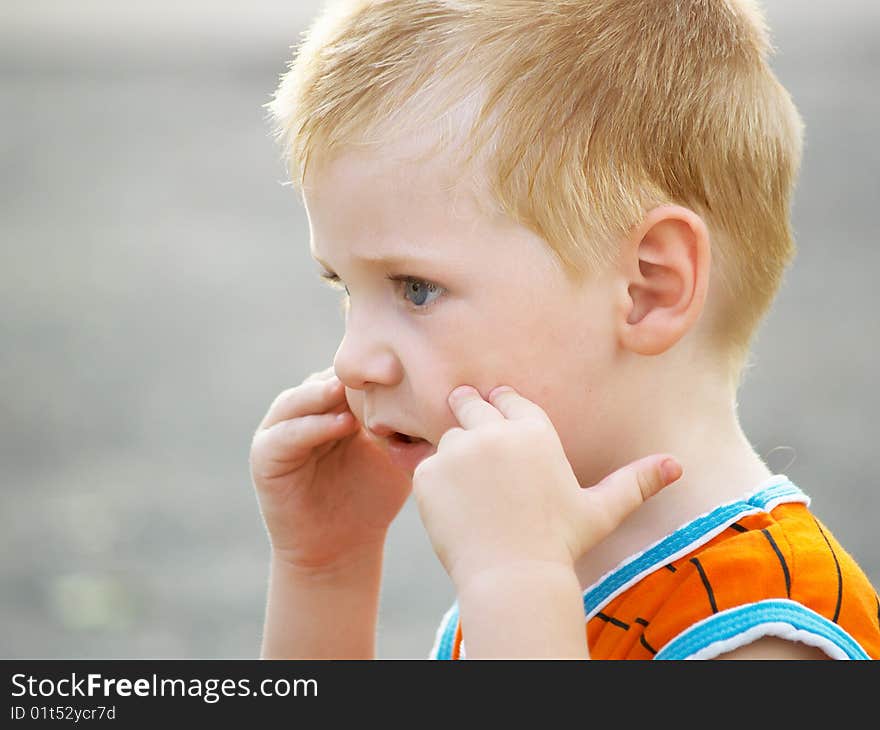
(327,491)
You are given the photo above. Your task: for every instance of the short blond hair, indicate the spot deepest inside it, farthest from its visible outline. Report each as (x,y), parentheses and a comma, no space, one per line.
(585,115)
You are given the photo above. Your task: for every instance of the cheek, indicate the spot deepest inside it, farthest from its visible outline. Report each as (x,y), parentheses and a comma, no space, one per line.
(432,401)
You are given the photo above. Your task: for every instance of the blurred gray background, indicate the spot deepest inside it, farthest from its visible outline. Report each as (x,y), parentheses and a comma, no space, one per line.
(156,293)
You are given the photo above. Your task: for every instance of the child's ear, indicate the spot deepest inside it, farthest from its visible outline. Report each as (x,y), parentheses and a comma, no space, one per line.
(665,269)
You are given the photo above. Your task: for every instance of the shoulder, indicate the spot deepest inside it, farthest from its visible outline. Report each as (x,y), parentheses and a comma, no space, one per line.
(761,577)
(781,587)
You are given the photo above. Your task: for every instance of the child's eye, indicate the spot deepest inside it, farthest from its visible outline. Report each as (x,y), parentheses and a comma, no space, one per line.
(419,289)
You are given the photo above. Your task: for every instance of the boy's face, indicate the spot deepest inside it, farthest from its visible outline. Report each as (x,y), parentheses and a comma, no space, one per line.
(501,310)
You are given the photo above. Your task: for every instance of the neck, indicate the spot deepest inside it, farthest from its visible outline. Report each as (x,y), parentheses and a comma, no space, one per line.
(719,464)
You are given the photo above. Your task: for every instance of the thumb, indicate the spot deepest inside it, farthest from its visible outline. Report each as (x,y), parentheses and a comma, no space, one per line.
(623,491)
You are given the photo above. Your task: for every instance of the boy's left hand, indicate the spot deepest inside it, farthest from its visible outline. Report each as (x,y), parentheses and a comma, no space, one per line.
(500,493)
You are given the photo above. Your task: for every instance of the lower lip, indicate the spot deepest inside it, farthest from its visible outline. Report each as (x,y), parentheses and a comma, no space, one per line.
(408,456)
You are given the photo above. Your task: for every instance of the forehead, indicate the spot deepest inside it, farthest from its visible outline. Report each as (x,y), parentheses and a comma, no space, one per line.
(432,154)
(392,200)
(408,168)
(409,199)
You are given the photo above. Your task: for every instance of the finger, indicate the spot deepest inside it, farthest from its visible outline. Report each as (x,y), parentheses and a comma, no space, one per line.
(312,397)
(324,374)
(470,409)
(513,405)
(291,441)
(626,489)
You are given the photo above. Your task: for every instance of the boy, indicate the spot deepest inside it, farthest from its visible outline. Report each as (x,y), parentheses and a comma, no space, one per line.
(586,203)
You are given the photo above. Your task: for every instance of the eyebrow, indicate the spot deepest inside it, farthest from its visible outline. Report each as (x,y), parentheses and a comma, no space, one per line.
(393,259)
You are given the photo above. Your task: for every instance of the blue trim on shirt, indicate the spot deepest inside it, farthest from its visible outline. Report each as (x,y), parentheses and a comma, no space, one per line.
(736,621)
(674,543)
(447,636)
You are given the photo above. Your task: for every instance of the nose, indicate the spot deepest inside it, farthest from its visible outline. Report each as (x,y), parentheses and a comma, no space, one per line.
(366,356)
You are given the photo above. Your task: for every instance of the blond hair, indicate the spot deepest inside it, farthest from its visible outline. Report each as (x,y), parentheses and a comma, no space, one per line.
(584,114)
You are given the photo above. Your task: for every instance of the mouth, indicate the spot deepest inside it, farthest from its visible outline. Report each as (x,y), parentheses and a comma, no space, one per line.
(406,438)
(407,451)
(388,434)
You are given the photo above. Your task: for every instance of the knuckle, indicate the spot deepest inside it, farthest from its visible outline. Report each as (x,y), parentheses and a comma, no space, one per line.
(497,437)
(320,374)
(285,394)
(537,428)
(646,481)
(528,433)
(256,454)
(480,444)
(421,474)
(297,429)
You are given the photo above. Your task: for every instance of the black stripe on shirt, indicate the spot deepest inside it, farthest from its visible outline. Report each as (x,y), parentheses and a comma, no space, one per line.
(612,620)
(782,562)
(706,584)
(839,574)
(644,642)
